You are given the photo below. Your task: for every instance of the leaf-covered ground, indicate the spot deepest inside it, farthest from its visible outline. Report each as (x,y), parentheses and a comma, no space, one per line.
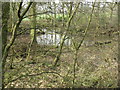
(97,65)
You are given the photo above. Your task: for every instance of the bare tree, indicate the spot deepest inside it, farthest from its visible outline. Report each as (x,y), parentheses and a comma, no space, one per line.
(77,45)
(14,29)
(33,31)
(5,17)
(65,34)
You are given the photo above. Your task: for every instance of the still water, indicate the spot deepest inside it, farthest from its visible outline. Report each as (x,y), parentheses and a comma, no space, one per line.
(51,38)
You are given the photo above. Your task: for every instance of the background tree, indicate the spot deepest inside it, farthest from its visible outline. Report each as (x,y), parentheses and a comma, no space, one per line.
(33,26)
(77,44)
(33,23)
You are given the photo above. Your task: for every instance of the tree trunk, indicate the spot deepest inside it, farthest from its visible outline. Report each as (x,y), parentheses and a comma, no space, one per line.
(65,34)
(5,17)
(8,46)
(33,23)
(33,31)
(77,45)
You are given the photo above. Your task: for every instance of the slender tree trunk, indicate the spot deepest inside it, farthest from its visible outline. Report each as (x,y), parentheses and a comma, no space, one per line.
(97,19)
(74,65)
(63,17)
(5,17)
(77,46)
(33,31)
(33,23)
(64,36)
(8,46)
(55,22)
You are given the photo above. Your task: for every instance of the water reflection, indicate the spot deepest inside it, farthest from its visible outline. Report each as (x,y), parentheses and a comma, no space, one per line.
(51,38)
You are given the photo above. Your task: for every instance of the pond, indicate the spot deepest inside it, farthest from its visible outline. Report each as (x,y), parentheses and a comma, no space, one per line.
(51,38)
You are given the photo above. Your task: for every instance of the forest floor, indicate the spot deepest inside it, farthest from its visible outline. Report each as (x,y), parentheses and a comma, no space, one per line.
(96,65)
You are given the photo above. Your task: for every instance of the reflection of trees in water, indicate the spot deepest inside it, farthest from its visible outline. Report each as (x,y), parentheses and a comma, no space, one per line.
(52,38)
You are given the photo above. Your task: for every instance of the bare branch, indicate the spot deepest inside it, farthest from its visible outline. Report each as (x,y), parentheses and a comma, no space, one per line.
(90,19)
(26,10)
(19,11)
(37,14)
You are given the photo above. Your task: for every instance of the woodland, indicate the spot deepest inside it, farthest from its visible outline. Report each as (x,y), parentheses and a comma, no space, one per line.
(59,45)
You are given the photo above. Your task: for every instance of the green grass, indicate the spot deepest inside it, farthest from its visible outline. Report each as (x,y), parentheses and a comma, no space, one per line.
(48,16)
